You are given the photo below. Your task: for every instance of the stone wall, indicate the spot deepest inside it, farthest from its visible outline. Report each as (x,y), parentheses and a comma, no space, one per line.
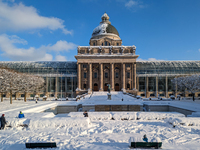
(118,108)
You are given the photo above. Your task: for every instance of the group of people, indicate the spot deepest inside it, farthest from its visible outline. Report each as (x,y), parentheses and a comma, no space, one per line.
(4,122)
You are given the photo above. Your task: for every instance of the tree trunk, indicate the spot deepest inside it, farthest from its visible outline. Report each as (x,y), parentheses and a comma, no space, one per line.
(15,96)
(10,96)
(193,96)
(25,97)
(1,97)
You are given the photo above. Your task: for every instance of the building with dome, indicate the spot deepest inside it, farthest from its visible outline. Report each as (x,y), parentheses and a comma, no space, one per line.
(107,63)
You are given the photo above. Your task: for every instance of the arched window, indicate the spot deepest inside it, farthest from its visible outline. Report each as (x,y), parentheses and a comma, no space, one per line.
(94,44)
(117,44)
(128,86)
(102,44)
(95,84)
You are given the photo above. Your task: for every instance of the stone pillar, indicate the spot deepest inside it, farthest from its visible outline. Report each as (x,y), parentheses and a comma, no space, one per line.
(134,76)
(123,77)
(166,86)
(137,87)
(90,76)
(56,86)
(156,86)
(47,84)
(101,77)
(112,77)
(79,76)
(146,86)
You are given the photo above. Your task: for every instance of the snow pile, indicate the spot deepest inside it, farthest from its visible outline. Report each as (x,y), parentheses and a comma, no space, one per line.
(92,115)
(157,115)
(190,121)
(124,115)
(59,122)
(17,122)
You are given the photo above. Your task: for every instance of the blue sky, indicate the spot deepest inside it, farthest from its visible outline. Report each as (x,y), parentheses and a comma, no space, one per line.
(46,30)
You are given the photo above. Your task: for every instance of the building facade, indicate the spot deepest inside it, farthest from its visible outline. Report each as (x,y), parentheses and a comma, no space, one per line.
(107,62)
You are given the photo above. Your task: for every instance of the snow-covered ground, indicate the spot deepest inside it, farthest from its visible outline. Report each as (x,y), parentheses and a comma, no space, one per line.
(98,131)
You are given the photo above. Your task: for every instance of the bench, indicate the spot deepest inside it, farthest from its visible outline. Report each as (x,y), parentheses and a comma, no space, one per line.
(41,145)
(146,144)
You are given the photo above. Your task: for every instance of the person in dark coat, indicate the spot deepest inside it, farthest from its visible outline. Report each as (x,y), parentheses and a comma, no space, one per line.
(145,138)
(3,122)
(21,115)
(85,114)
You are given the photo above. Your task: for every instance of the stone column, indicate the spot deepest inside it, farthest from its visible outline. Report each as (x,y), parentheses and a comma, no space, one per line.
(123,77)
(79,76)
(47,84)
(146,86)
(134,76)
(112,77)
(166,86)
(90,76)
(101,77)
(137,84)
(56,86)
(156,86)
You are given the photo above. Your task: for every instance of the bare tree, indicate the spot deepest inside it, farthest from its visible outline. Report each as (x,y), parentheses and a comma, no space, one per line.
(12,82)
(189,83)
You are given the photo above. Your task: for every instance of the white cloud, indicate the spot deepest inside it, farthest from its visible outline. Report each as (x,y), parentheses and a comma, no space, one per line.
(199,50)
(60,58)
(131,3)
(149,59)
(9,50)
(61,46)
(19,17)
(134,4)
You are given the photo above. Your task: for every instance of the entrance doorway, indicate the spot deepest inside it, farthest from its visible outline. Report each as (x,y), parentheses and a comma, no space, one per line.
(105,87)
(117,87)
(96,87)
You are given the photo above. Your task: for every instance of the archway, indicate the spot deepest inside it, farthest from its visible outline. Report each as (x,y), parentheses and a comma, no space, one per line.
(105,87)
(96,87)
(117,87)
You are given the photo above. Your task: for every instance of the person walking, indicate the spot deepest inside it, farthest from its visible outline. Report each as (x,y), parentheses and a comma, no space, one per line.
(85,114)
(3,122)
(21,115)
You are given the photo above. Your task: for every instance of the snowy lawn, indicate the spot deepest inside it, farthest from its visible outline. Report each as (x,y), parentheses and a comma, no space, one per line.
(79,133)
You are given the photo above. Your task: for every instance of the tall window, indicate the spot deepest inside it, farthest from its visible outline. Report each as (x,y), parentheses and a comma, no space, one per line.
(84,66)
(128,74)
(95,75)
(94,44)
(84,86)
(106,75)
(85,75)
(128,86)
(116,75)
(117,44)
(106,43)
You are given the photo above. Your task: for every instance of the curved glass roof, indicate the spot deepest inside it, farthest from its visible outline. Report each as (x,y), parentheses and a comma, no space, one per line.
(42,67)
(168,67)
